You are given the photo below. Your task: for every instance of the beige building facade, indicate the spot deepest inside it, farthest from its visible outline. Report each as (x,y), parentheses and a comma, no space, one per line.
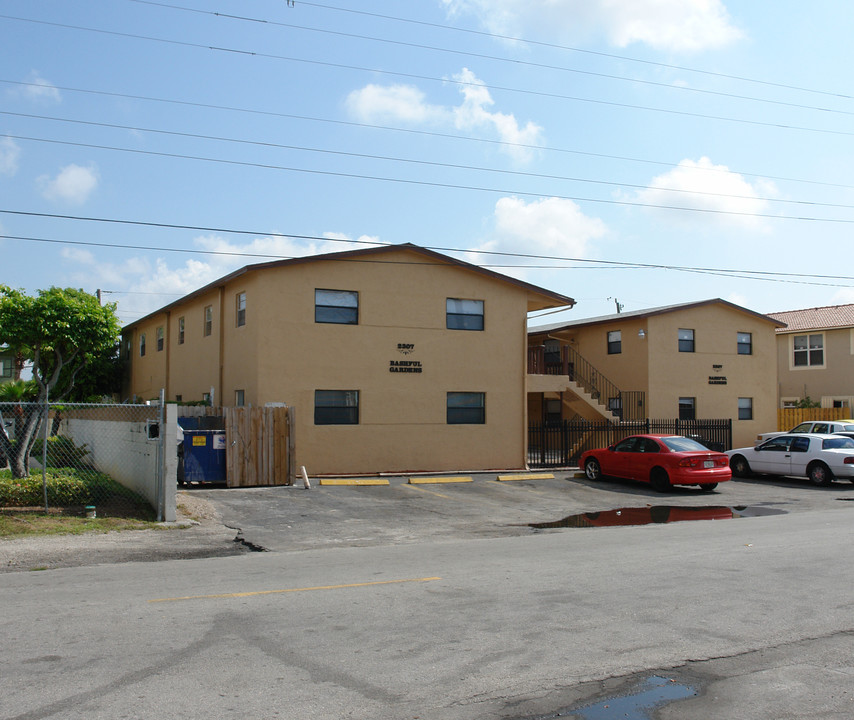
(699,360)
(815,356)
(396,359)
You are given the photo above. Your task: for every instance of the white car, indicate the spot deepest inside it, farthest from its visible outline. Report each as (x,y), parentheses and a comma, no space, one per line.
(811,426)
(820,457)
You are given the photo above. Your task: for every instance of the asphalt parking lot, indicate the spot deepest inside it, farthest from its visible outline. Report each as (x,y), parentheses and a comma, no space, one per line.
(286,519)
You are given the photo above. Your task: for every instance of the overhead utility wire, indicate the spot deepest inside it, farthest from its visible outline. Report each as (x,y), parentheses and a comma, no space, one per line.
(260,233)
(498,58)
(429,78)
(427,133)
(413,161)
(569,48)
(427,183)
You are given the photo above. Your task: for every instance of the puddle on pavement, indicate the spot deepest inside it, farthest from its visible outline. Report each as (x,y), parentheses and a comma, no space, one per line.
(652,514)
(637,704)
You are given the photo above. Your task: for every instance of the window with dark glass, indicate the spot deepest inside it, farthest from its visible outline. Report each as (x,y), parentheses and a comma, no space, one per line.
(336,407)
(180,330)
(142,345)
(745,408)
(745,343)
(686,340)
(464,314)
(808,350)
(238,398)
(241,309)
(208,320)
(615,342)
(5,367)
(466,408)
(687,408)
(336,306)
(615,405)
(159,339)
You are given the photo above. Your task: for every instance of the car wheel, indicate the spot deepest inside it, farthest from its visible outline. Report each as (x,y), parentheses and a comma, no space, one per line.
(819,474)
(708,487)
(659,480)
(739,466)
(592,469)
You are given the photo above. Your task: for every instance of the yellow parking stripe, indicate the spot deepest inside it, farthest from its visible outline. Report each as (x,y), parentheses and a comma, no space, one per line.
(293,590)
(529,476)
(436,480)
(353,481)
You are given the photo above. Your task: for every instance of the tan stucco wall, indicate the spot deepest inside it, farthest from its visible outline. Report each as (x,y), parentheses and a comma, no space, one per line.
(834,380)
(282,355)
(653,364)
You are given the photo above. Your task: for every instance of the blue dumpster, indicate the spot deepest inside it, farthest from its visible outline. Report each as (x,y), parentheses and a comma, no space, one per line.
(204,456)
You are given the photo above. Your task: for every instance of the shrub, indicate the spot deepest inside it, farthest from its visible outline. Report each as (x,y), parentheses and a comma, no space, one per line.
(65,487)
(62,453)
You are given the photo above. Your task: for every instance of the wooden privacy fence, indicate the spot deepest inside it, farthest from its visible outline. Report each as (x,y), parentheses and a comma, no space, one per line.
(787,418)
(259,446)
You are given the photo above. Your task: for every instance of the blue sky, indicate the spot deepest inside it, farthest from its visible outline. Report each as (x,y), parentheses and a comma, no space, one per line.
(633,148)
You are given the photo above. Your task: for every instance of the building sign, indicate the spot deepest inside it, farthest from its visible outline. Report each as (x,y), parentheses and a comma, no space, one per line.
(406,348)
(405,366)
(717,379)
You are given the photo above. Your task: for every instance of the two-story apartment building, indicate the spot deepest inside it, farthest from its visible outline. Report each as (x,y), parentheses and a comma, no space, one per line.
(815,356)
(709,359)
(396,359)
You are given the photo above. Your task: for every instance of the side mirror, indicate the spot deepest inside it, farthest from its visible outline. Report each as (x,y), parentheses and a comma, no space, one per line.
(610,448)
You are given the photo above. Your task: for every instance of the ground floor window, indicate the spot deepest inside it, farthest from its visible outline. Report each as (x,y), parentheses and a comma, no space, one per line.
(745,408)
(687,408)
(466,408)
(336,407)
(238,398)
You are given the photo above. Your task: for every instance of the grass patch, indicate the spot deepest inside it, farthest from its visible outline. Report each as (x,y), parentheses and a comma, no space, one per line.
(19,522)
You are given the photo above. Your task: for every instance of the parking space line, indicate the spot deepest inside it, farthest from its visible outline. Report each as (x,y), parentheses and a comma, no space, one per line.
(352,481)
(436,480)
(293,590)
(429,492)
(529,476)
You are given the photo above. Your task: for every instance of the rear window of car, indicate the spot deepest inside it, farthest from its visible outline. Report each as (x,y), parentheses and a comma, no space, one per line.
(840,442)
(683,444)
(848,428)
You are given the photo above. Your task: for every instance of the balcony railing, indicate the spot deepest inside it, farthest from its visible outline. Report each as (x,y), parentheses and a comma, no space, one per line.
(568,361)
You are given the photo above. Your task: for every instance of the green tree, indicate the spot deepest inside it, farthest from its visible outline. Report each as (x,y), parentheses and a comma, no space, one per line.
(62,330)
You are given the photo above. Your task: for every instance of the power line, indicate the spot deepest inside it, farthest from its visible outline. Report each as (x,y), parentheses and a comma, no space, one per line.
(430,78)
(426,133)
(413,161)
(484,56)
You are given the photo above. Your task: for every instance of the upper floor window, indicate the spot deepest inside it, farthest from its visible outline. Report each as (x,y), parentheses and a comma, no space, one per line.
(745,408)
(687,408)
(241,309)
(464,314)
(615,342)
(142,345)
(745,343)
(686,340)
(208,320)
(160,340)
(5,367)
(239,397)
(336,306)
(181,330)
(336,407)
(466,408)
(808,350)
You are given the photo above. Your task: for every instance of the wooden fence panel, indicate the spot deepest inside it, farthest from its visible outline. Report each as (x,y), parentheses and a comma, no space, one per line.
(258,446)
(787,418)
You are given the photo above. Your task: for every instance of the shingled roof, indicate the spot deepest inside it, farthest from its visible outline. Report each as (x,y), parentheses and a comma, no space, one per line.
(820,318)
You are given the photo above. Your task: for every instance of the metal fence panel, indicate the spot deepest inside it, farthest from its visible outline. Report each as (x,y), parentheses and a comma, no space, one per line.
(113,460)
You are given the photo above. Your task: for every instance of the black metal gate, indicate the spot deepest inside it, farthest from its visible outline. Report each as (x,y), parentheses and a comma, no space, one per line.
(561,444)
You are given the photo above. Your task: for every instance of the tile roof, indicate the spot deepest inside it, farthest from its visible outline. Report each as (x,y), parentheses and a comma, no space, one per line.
(820,318)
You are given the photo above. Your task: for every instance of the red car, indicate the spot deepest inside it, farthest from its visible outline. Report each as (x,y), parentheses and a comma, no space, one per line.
(660,460)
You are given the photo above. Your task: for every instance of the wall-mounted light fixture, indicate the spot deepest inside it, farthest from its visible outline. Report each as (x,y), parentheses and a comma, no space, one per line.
(641,334)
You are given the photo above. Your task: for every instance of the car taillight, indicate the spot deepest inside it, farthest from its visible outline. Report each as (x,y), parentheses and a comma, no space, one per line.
(688,462)
(849,461)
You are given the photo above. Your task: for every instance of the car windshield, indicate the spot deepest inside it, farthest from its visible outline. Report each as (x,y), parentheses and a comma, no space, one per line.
(840,442)
(683,444)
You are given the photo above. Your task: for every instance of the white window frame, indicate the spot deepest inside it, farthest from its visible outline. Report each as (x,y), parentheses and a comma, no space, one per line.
(816,366)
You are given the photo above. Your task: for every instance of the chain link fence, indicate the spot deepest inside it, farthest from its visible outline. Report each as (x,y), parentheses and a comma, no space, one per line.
(96,460)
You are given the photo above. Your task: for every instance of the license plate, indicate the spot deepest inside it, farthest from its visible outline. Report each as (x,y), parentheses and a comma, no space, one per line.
(708,463)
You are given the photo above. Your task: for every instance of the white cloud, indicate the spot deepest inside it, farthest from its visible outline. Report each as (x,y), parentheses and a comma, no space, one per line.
(9,155)
(551,226)
(675,25)
(725,196)
(38,90)
(408,104)
(73,184)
